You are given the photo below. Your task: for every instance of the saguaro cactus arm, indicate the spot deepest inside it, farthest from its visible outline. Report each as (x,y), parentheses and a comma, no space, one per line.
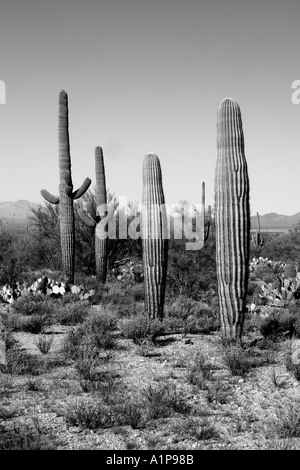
(232,219)
(66,194)
(86,218)
(49,197)
(83,188)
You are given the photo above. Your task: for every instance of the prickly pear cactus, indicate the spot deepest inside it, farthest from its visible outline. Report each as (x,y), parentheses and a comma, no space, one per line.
(232,219)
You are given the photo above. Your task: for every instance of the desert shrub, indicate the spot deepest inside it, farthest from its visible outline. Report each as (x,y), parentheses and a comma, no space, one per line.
(30,324)
(280,322)
(44,344)
(199,429)
(240,360)
(192,273)
(200,370)
(33,305)
(287,421)
(20,363)
(140,327)
(35,324)
(219,392)
(72,313)
(236,359)
(195,316)
(9,339)
(89,414)
(116,294)
(100,329)
(28,436)
(293,367)
(138,292)
(161,399)
(132,413)
(72,343)
(183,307)
(33,385)
(95,334)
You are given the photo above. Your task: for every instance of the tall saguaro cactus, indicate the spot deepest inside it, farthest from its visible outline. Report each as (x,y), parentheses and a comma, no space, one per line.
(257,238)
(154,237)
(232,219)
(66,193)
(94,215)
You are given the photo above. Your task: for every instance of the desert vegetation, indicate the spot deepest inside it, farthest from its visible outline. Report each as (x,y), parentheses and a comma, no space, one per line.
(142,344)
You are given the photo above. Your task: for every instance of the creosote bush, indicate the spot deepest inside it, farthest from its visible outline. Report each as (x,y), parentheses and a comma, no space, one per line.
(140,327)
(280,323)
(95,334)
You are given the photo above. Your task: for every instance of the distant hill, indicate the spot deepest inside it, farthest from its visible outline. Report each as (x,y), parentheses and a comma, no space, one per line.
(273,221)
(15,214)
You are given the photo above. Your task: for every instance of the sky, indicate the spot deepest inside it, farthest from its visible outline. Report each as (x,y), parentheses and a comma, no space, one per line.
(148,76)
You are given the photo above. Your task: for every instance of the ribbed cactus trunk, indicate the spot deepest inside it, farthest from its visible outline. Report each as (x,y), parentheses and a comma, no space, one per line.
(66,211)
(67,231)
(66,194)
(232,217)
(101,201)
(257,238)
(154,237)
(94,216)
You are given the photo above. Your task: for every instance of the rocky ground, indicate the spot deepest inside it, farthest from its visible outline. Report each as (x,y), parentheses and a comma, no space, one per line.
(211,408)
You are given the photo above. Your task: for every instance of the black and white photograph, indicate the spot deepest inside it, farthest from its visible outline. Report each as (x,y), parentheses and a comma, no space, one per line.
(149,228)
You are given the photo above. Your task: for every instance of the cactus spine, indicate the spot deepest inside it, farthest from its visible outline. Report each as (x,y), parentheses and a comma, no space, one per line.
(232,219)
(93,217)
(66,193)
(154,237)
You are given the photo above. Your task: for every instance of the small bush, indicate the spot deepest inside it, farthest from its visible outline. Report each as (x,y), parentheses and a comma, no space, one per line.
(138,293)
(218,392)
(28,436)
(287,422)
(198,429)
(9,339)
(35,324)
(72,313)
(132,414)
(279,323)
(33,385)
(140,328)
(44,344)
(195,316)
(292,367)
(161,399)
(236,359)
(20,363)
(94,335)
(33,305)
(200,370)
(90,415)
(71,344)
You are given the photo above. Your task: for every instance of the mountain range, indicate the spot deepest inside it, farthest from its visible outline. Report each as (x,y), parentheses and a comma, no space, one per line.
(273,221)
(16,214)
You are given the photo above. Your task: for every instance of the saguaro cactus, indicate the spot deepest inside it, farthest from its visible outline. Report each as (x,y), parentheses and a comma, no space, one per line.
(94,215)
(66,193)
(154,237)
(232,219)
(257,237)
